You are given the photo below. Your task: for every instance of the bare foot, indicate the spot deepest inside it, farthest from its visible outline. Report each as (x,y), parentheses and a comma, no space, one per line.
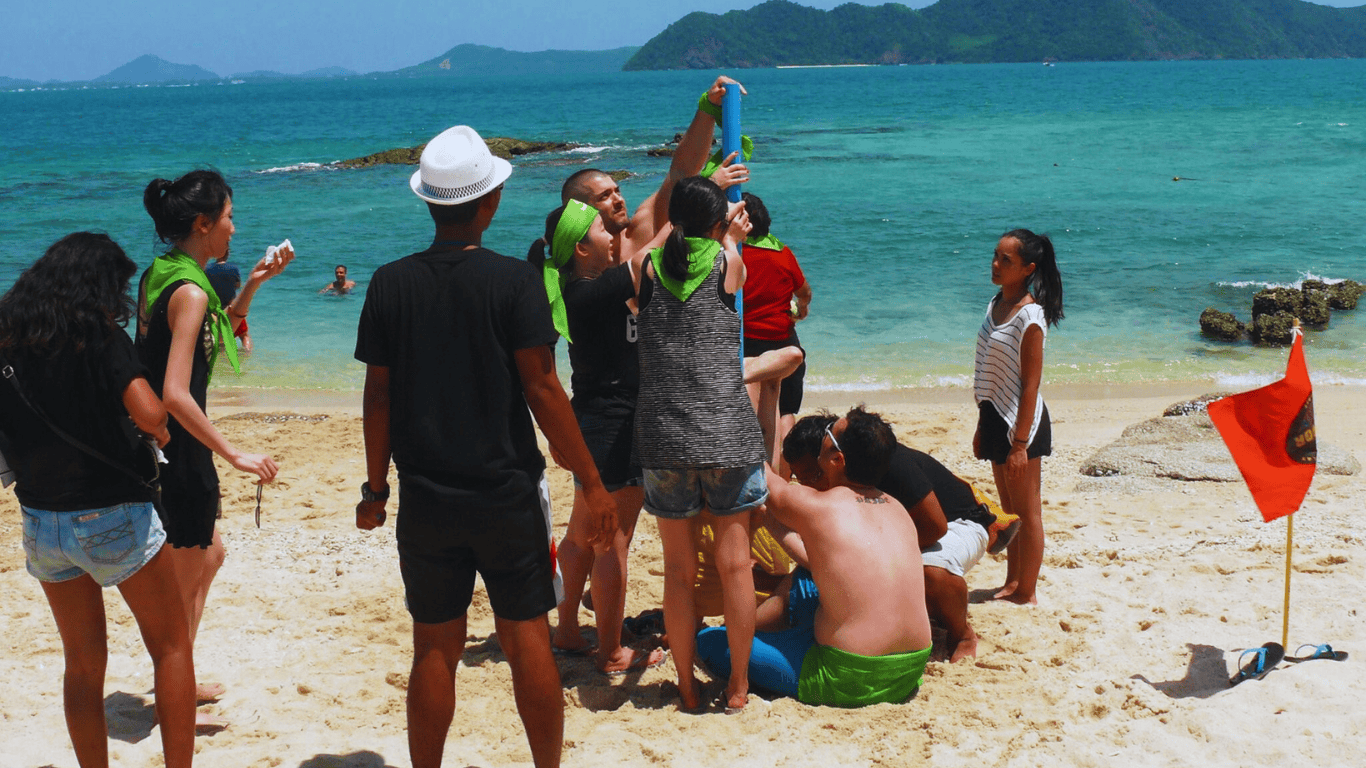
(1006,591)
(1021,599)
(690,698)
(736,701)
(570,642)
(629,660)
(966,648)
(207,692)
(207,725)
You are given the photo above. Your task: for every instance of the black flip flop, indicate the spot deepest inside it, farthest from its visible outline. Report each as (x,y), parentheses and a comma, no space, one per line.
(1324,651)
(1264,660)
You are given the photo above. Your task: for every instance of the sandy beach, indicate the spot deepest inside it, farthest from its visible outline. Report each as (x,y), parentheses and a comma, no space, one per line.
(1150,590)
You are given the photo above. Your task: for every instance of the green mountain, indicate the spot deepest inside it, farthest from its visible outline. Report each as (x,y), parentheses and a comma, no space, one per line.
(471,59)
(150,69)
(778,33)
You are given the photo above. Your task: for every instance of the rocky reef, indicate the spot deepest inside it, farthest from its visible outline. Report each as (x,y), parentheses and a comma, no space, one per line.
(1274,311)
(501,146)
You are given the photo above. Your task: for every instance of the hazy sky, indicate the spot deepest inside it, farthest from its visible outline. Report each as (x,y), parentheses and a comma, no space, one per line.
(83,39)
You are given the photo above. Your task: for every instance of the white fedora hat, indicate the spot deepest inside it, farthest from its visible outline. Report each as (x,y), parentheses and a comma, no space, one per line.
(457,167)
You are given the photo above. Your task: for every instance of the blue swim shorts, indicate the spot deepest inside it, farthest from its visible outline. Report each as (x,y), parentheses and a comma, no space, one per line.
(678,494)
(110,544)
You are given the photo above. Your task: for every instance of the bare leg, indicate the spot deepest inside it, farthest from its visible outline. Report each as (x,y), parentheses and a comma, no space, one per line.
(737,588)
(195,570)
(575,562)
(437,649)
(78,608)
(771,615)
(785,423)
(536,686)
(609,583)
(680,568)
(1025,553)
(946,597)
(153,596)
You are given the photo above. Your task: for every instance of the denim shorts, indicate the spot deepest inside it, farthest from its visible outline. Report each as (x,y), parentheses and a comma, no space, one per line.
(678,494)
(110,544)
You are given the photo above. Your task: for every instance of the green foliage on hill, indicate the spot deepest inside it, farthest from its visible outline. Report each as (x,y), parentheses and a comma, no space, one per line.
(468,59)
(779,33)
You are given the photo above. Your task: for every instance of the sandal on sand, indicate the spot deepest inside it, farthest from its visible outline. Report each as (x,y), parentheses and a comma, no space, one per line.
(639,663)
(1264,660)
(645,623)
(583,652)
(1324,651)
(207,692)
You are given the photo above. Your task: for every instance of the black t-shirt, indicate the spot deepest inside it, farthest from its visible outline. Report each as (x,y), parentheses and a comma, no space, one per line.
(82,393)
(446,323)
(603,355)
(913,474)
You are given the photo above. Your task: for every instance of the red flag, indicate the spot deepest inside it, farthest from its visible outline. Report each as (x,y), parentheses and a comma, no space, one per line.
(1270,432)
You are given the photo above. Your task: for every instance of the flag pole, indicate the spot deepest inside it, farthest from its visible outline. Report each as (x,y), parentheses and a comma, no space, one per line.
(1289,547)
(730,142)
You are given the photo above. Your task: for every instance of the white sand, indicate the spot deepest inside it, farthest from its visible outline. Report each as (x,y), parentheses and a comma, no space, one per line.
(1146,601)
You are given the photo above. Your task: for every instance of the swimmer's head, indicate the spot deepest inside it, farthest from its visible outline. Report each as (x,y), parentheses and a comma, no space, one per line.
(340,273)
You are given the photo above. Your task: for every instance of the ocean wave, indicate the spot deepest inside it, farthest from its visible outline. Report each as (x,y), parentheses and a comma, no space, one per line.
(296,167)
(588,150)
(1266,284)
(1245,381)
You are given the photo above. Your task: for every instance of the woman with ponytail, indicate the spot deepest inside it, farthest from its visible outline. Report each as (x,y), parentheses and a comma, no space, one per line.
(589,299)
(181,328)
(1013,429)
(696,435)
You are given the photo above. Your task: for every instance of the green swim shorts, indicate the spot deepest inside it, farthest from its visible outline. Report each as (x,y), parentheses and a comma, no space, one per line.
(841,679)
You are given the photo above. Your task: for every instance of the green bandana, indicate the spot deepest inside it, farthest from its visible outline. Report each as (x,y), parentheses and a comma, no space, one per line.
(575,222)
(767,241)
(178,265)
(702,253)
(714,162)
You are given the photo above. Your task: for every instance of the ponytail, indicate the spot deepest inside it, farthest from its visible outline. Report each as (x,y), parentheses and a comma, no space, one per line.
(676,255)
(536,254)
(1046,282)
(175,205)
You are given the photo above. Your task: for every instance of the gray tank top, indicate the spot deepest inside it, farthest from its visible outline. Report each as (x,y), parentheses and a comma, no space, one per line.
(693,411)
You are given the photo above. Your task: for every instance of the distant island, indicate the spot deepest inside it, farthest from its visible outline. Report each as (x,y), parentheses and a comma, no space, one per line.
(781,33)
(461,61)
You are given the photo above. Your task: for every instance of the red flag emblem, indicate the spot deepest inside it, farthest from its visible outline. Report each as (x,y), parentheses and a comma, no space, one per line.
(1270,432)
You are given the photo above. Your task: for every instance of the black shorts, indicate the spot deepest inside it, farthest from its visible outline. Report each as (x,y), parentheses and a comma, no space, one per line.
(790,396)
(996,437)
(441,546)
(608,428)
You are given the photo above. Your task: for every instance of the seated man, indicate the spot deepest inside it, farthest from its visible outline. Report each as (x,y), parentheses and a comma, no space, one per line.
(859,631)
(956,523)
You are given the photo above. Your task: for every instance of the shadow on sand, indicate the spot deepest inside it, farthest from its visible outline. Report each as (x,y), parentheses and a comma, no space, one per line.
(1206,675)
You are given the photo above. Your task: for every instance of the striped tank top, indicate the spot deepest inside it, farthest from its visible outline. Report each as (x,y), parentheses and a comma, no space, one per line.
(997,377)
(693,411)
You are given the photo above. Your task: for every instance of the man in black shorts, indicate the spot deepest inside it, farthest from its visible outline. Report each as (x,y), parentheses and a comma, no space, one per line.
(457,343)
(955,524)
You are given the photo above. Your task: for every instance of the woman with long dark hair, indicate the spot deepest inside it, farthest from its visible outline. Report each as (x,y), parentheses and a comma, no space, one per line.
(589,295)
(181,328)
(697,437)
(1013,428)
(71,377)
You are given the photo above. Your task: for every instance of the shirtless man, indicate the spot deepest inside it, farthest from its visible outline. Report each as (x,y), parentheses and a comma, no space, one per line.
(340,286)
(632,233)
(859,631)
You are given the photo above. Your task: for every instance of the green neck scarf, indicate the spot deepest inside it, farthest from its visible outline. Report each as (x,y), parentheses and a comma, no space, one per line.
(714,162)
(767,241)
(575,222)
(178,265)
(702,253)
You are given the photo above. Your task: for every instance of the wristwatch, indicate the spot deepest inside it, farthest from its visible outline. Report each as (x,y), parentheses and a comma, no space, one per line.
(368,495)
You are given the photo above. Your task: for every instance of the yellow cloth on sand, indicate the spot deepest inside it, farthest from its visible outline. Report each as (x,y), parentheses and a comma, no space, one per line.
(771,564)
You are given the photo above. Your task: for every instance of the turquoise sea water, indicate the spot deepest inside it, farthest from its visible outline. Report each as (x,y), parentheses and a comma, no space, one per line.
(891,184)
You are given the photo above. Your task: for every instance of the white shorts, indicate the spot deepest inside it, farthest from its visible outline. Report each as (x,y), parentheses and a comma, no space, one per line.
(959,549)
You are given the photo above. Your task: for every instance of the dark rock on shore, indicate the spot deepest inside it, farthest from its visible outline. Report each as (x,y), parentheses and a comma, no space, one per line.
(619,175)
(1220,325)
(1270,301)
(1198,405)
(501,146)
(1188,448)
(1274,328)
(1343,295)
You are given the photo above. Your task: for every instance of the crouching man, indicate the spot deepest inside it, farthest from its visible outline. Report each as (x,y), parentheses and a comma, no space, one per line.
(858,632)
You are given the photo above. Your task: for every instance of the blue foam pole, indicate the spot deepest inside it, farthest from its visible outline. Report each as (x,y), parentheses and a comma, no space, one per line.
(730,142)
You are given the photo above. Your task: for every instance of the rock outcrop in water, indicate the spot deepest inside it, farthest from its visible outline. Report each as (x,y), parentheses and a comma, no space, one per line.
(1274,311)
(501,146)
